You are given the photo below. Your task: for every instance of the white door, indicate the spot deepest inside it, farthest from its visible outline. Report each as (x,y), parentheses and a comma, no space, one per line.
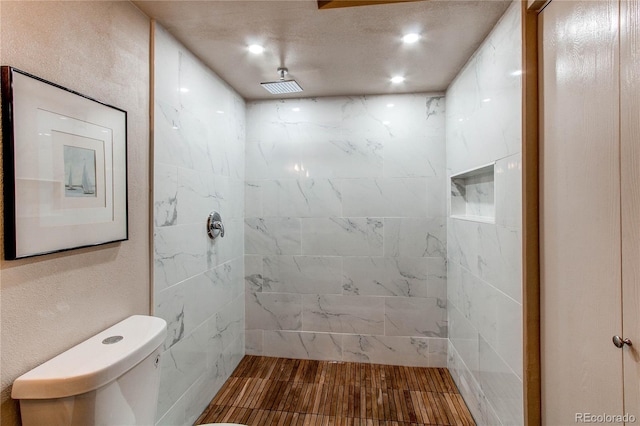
(580,213)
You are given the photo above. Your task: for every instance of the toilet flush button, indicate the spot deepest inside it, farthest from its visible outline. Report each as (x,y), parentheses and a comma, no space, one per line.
(111,340)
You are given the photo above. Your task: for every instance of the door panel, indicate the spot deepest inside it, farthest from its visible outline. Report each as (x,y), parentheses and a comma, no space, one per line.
(630,168)
(580,211)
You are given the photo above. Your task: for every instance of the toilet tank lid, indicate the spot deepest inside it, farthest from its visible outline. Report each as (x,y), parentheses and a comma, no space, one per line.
(95,362)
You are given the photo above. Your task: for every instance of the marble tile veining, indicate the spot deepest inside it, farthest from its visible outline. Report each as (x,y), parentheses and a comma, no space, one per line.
(484,126)
(343,314)
(345,210)
(198,283)
(342,236)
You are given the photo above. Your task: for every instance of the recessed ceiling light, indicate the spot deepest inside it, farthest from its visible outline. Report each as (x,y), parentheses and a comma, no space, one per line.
(485,100)
(410,38)
(295,109)
(220,111)
(397,79)
(184,89)
(390,105)
(256,48)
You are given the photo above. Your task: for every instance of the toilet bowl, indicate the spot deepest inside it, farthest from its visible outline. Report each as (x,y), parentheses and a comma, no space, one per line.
(113,378)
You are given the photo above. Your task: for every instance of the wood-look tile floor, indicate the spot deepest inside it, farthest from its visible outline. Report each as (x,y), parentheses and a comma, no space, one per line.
(290,392)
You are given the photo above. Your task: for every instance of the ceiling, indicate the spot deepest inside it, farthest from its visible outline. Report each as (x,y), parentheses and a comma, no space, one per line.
(337,51)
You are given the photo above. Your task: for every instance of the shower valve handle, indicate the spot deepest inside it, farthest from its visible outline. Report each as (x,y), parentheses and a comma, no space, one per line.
(218,225)
(215,226)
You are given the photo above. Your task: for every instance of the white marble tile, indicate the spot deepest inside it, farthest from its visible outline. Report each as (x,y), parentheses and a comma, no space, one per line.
(198,397)
(436,277)
(227,324)
(454,284)
(387,197)
(224,283)
(254,342)
(253,198)
(303,345)
(181,366)
(341,158)
(199,194)
(508,177)
(165,195)
(415,237)
(497,317)
(166,77)
(198,284)
(301,198)
(295,120)
(272,236)
(187,305)
(253,274)
(500,258)
(393,350)
(174,417)
(273,160)
(390,117)
(437,197)
(485,260)
(464,336)
(179,253)
(342,236)
(415,316)
(170,148)
(234,198)
(302,274)
(170,306)
(343,314)
(382,276)
(474,397)
(232,356)
(229,247)
(502,388)
(487,91)
(273,311)
(416,157)
(462,243)
(438,352)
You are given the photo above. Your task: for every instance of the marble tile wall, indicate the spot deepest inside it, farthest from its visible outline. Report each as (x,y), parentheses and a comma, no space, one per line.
(345,229)
(199,136)
(483,125)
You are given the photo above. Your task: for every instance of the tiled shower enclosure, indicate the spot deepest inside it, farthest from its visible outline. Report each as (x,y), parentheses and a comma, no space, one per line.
(345,239)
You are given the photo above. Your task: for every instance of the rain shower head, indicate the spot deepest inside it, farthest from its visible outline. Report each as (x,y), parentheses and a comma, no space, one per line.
(282,86)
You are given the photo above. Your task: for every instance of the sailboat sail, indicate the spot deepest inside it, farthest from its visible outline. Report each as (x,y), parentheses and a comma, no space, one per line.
(69,184)
(87,188)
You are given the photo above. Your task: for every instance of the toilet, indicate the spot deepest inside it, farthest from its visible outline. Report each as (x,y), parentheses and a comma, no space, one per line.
(113,378)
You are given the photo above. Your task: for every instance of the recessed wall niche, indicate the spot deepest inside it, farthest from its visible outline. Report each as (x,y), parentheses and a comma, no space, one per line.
(473,194)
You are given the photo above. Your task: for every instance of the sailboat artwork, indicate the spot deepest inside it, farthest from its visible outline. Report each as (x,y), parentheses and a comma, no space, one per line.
(80,172)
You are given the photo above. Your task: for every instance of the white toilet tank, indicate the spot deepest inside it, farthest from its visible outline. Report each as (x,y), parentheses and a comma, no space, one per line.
(111,379)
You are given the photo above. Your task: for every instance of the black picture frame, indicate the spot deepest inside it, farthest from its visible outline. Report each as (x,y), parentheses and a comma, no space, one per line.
(64,168)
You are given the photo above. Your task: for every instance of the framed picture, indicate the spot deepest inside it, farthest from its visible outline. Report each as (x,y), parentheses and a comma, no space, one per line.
(64,166)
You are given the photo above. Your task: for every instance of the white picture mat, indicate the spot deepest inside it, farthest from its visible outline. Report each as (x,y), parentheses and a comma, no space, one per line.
(43,224)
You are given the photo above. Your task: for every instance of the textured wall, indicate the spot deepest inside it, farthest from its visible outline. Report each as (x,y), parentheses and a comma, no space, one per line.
(345,229)
(198,283)
(484,259)
(53,302)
